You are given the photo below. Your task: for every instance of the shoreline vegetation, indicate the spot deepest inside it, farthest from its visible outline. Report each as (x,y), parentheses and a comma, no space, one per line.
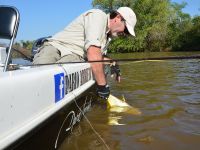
(161,26)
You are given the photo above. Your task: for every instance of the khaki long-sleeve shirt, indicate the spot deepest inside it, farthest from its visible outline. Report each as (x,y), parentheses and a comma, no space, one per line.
(90,28)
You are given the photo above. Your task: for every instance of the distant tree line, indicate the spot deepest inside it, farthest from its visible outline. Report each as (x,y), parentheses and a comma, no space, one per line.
(161,26)
(24,48)
(24,44)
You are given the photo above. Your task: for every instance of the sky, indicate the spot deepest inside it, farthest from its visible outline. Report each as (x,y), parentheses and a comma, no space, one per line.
(40,18)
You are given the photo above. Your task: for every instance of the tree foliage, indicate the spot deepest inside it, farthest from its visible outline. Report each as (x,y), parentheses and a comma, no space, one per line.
(190,38)
(161,25)
(109,5)
(24,47)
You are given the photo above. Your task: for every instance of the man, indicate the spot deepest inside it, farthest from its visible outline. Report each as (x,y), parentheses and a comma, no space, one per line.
(86,38)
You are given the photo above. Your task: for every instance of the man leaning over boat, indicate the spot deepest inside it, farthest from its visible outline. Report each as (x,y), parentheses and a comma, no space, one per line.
(87,38)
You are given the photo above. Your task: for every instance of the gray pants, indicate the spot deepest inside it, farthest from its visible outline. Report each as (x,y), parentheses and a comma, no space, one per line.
(49,54)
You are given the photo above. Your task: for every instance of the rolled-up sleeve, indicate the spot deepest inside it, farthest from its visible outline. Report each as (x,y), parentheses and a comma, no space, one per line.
(95,25)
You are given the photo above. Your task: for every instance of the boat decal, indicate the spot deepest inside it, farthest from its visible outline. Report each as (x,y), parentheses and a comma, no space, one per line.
(76,79)
(59,86)
(72,80)
(73,118)
(86,75)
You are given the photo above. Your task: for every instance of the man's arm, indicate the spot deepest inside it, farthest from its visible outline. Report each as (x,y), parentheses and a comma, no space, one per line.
(94,54)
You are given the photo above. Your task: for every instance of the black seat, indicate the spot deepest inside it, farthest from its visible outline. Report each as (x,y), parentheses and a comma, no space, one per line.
(9,21)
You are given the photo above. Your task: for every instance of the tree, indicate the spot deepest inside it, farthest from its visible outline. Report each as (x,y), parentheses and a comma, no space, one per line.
(24,48)
(189,40)
(179,24)
(151,27)
(109,5)
(161,25)
(27,44)
(152,22)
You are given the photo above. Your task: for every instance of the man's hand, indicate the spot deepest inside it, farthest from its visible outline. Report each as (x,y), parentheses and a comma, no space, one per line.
(115,70)
(103,91)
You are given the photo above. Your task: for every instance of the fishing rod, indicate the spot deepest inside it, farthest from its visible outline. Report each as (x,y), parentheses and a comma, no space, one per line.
(123,60)
(24,55)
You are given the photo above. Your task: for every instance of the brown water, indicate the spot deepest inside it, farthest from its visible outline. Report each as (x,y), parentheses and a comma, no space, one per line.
(168,95)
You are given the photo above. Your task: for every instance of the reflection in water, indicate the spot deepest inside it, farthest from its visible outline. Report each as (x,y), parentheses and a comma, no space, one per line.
(85,137)
(168,95)
(76,140)
(114,119)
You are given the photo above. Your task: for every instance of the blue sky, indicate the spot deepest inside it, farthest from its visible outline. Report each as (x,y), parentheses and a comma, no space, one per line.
(46,17)
(192,8)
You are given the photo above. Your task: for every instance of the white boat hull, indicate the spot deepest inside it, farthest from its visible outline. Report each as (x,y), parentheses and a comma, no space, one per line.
(30,96)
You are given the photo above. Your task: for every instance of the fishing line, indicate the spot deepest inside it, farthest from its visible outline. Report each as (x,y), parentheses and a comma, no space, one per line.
(98,135)
(140,62)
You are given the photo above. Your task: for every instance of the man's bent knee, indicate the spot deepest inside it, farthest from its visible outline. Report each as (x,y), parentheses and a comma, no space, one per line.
(47,54)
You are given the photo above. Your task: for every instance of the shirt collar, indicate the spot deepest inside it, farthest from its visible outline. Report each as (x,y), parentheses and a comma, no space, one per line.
(108,24)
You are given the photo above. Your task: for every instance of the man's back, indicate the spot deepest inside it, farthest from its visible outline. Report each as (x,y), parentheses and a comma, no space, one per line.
(87,29)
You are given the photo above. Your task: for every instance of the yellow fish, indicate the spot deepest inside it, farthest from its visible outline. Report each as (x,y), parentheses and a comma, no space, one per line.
(116,105)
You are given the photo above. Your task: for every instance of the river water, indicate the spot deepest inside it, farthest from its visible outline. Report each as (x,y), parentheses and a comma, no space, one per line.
(168,95)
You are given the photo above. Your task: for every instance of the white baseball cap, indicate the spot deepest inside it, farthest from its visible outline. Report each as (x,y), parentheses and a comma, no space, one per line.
(129,17)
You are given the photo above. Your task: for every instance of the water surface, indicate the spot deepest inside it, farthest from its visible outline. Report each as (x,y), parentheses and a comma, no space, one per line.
(168,95)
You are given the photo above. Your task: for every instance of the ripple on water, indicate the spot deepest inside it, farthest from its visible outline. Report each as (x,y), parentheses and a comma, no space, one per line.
(188,124)
(192,98)
(193,110)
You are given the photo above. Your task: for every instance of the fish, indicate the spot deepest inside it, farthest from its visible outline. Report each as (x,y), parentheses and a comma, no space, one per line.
(115,104)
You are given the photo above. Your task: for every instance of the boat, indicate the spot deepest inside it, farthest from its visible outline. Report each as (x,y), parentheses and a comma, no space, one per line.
(34,96)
